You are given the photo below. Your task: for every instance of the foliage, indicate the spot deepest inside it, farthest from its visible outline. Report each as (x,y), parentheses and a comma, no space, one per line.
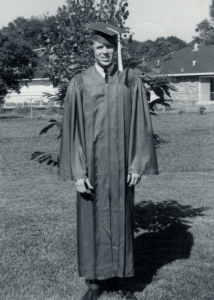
(206,29)
(53,123)
(212,10)
(201,110)
(29,29)
(160,86)
(143,51)
(54,111)
(48,157)
(17,61)
(155,82)
(206,32)
(22,110)
(11,104)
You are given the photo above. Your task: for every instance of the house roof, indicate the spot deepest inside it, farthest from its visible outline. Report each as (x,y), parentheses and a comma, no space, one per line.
(187,61)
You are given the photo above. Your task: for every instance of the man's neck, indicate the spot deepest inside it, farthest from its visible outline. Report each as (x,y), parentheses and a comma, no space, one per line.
(101,69)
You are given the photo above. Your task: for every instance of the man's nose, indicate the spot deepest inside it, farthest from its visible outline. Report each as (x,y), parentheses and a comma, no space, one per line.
(105,50)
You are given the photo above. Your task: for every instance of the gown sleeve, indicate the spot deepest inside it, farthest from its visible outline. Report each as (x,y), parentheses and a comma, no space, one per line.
(142,154)
(72,162)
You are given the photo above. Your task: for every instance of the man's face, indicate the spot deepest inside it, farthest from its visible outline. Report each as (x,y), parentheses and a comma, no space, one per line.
(104,54)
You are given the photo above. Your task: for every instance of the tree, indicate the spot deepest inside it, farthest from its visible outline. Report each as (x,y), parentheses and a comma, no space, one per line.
(206,29)
(211,13)
(206,32)
(17,61)
(29,29)
(176,42)
(165,46)
(143,51)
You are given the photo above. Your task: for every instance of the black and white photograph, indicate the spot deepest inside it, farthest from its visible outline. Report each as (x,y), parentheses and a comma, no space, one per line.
(107,149)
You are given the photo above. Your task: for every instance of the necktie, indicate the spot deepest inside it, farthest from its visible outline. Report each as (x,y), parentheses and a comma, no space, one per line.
(106,75)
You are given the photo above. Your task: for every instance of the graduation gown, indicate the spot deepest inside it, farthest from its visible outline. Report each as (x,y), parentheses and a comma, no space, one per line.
(107,133)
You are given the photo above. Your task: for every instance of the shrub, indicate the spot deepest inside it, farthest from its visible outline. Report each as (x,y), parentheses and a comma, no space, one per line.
(54,111)
(201,110)
(21,110)
(10,104)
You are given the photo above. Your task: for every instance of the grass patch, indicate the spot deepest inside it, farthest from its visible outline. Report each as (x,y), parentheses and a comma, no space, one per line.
(174,216)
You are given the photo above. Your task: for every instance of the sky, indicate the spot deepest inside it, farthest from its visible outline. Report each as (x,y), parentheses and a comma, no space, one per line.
(149,19)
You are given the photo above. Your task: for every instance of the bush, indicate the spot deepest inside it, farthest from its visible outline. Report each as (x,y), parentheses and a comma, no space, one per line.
(26,110)
(10,104)
(54,111)
(21,110)
(201,110)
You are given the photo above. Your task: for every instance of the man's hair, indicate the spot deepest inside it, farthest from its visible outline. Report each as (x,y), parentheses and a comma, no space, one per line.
(103,39)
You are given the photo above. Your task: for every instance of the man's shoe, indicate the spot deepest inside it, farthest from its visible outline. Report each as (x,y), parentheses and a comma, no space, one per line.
(128,295)
(113,284)
(92,294)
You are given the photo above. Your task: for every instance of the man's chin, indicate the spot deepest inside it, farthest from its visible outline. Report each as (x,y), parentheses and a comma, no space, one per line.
(106,64)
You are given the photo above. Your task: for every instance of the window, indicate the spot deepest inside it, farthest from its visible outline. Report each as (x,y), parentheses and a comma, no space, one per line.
(212,88)
(206,89)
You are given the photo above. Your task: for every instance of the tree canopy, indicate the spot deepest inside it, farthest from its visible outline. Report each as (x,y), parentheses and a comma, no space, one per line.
(148,50)
(206,29)
(30,29)
(17,61)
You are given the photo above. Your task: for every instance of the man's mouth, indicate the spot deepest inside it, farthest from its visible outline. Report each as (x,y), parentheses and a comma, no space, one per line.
(106,58)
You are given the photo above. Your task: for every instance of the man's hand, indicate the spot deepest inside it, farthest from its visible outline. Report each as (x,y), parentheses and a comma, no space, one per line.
(133,179)
(83,186)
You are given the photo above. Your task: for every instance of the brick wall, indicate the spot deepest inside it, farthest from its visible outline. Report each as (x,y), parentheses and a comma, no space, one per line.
(187,89)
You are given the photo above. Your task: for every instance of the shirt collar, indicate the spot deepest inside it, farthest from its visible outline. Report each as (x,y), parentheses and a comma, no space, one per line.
(101,70)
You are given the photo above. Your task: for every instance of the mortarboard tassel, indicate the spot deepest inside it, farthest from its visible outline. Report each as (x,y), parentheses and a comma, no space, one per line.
(120,63)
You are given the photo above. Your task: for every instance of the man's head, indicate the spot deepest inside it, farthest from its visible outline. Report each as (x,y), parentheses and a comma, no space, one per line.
(104,48)
(104,41)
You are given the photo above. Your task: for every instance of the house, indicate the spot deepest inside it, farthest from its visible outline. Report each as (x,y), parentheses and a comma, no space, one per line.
(35,89)
(193,71)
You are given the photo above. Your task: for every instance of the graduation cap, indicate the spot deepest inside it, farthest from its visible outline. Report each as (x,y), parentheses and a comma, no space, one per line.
(111,34)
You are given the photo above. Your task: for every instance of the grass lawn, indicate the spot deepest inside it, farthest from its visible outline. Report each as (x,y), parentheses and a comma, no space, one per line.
(174,216)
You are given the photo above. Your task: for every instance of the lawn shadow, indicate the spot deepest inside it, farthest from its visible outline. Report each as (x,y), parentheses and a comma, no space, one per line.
(161,237)
(10,117)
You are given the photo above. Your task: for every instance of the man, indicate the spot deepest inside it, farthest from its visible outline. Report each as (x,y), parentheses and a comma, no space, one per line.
(107,145)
